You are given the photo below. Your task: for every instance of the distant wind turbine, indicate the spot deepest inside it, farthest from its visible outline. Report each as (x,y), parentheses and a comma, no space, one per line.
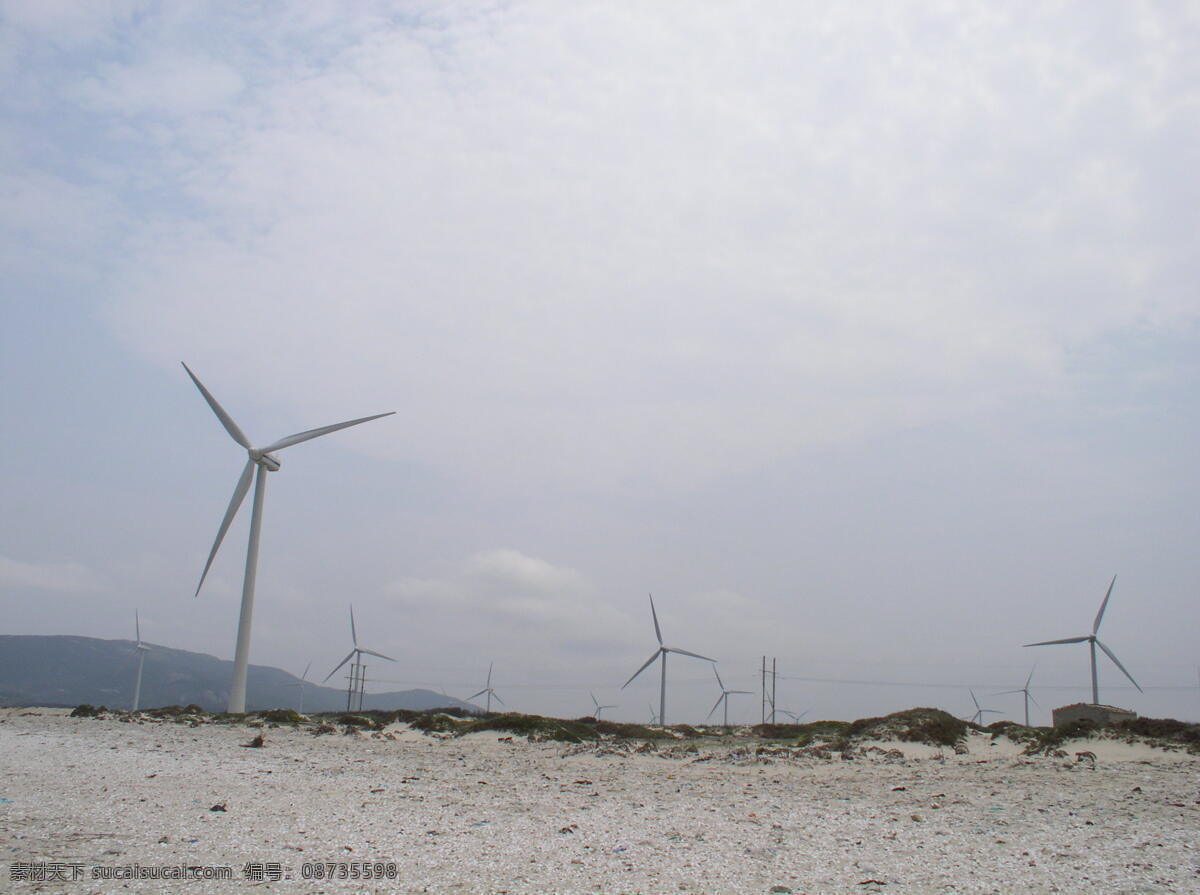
(265,462)
(661,654)
(142,649)
(489,691)
(723,698)
(653,717)
(795,718)
(1093,641)
(1028,695)
(358,671)
(299,685)
(598,707)
(980,712)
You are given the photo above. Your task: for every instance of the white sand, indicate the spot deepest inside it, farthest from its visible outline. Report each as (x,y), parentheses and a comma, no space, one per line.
(478,815)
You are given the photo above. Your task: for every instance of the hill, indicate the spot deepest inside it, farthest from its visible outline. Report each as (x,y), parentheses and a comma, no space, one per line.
(69,671)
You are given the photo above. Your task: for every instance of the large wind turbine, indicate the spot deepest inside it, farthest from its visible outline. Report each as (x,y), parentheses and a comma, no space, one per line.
(358,671)
(1025,690)
(1093,641)
(142,649)
(263,459)
(724,697)
(489,691)
(661,653)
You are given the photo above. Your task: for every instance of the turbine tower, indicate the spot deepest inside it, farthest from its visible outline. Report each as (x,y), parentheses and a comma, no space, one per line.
(299,685)
(1093,641)
(980,712)
(723,698)
(142,649)
(358,671)
(598,707)
(489,691)
(661,654)
(263,459)
(1025,690)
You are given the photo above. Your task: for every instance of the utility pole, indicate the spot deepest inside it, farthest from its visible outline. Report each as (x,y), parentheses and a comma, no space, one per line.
(768,694)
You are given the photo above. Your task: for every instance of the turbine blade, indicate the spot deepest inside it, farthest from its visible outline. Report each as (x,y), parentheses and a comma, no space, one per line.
(683,652)
(1006,692)
(496,696)
(1064,640)
(714,708)
(371,652)
(339,665)
(480,693)
(654,615)
(239,494)
(1103,606)
(649,661)
(1034,701)
(595,702)
(490,665)
(137,626)
(1031,671)
(289,440)
(973,699)
(719,681)
(1117,661)
(304,676)
(353,632)
(747,692)
(226,420)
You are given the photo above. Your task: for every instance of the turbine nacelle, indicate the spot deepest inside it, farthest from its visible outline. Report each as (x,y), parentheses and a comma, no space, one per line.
(269,461)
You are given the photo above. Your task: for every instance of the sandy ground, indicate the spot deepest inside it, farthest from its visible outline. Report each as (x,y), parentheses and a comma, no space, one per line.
(477,814)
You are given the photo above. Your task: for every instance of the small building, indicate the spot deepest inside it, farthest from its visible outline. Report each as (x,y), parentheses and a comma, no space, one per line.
(1087,711)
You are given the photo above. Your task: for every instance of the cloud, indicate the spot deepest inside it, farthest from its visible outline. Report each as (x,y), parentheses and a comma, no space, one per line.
(68,577)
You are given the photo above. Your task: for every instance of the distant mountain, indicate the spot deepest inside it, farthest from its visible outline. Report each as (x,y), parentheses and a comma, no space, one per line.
(69,671)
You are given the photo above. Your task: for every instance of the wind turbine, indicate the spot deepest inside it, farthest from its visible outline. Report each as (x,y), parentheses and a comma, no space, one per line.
(661,653)
(1025,690)
(142,649)
(724,697)
(980,712)
(653,717)
(1093,641)
(358,671)
(489,691)
(266,462)
(795,718)
(299,685)
(598,707)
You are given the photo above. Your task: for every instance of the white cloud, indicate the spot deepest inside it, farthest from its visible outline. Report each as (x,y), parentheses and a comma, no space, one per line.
(68,577)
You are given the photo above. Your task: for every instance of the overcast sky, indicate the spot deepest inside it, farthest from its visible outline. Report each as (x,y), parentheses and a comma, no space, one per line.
(865,336)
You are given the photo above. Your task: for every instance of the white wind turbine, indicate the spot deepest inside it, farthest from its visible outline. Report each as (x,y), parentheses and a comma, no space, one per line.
(142,649)
(1093,641)
(980,712)
(661,654)
(299,685)
(263,459)
(489,691)
(723,698)
(1025,690)
(358,671)
(795,718)
(598,707)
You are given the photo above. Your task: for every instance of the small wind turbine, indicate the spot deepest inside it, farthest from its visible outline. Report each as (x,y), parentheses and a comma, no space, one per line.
(1028,695)
(358,671)
(661,653)
(263,459)
(723,698)
(142,649)
(653,717)
(1093,641)
(598,707)
(795,718)
(489,691)
(299,685)
(980,712)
